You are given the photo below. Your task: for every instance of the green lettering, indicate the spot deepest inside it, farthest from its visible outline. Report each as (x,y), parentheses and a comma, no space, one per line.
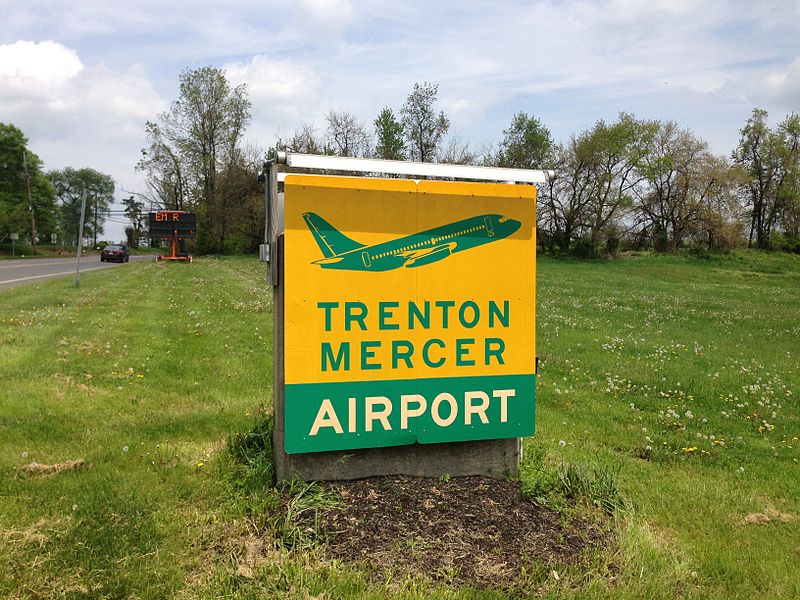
(476,314)
(414,313)
(402,350)
(494,311)
(497,351)
(367,353)
(342,357)
(351,315)
(384,313)
(445,305)
(461,351)
(426,349)
(328,308)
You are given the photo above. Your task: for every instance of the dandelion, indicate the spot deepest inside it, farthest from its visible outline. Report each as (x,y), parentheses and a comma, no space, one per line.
(562,443)
(124,448)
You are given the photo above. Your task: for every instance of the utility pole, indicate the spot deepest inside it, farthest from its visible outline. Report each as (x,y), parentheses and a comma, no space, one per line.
(80,238)
(30,200)
(94,230)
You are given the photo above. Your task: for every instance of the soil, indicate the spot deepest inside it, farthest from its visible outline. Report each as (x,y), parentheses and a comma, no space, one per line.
(468,530)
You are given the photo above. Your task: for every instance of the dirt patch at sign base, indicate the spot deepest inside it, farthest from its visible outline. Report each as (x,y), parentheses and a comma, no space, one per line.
(468,530)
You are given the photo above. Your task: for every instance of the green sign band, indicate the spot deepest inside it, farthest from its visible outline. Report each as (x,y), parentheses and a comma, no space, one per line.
(370,414)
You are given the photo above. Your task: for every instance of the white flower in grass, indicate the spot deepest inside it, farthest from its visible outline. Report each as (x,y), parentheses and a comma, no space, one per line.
(562,443)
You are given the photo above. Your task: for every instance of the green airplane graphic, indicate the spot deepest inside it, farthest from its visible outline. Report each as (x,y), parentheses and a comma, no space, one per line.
(415,250)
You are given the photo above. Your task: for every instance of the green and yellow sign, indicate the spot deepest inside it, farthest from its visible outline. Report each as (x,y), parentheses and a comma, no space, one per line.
(410,312)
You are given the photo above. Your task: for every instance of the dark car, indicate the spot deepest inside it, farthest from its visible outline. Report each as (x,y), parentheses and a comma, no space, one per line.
(115,252)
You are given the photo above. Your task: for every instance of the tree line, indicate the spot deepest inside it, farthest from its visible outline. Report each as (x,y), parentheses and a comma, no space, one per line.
(627,184)
(47,202)
(630,183)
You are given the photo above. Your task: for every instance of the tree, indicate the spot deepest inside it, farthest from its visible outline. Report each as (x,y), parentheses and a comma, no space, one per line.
(346,134)
(611,154)
(15,209)
(593,183)
(191,143)
(789,182)
(457,152)
(389,135)
(69,185)
(771,161)
(245,226)
(134,210)
(566,195)
(423,128)
(164,169)
(305,141)
(680,174)
(526,144)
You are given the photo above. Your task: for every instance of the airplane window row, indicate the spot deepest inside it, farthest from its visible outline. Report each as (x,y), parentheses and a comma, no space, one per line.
(431,241)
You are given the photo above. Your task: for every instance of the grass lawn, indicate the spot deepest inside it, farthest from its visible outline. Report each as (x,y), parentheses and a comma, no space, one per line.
(681,375)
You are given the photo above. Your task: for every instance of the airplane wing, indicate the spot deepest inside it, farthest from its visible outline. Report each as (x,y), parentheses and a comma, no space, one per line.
(426,256)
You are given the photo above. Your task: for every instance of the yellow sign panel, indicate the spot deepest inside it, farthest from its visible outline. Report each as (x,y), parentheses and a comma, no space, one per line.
(409,312)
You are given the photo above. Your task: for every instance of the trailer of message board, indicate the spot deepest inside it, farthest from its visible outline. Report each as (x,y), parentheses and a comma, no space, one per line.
(176,226)
(406,315)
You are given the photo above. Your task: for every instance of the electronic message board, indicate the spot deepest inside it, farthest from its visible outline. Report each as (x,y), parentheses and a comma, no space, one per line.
(171,223)
(409,312)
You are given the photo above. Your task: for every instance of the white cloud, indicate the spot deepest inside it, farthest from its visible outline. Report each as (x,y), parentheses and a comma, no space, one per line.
(36,71)
(75,114)
(783,85)
(333,12)
(283,93)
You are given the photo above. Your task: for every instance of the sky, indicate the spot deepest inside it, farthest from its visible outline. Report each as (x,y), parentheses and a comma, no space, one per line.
(81,78)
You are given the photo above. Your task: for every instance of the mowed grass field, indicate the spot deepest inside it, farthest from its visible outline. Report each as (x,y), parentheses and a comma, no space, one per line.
(678,374)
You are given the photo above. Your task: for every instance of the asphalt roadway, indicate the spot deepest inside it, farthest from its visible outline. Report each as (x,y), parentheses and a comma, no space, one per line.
(30,270)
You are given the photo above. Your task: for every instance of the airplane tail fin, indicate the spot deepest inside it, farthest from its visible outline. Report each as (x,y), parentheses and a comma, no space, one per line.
(331,241)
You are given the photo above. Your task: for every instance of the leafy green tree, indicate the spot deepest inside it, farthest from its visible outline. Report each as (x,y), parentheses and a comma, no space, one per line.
(526,144)
(757,153)
(134,211)
(789,182)
(191,144)
(592,188)
(770,160)
(423,128)
(69,185)
(389,135)
(15,210)
(679,174)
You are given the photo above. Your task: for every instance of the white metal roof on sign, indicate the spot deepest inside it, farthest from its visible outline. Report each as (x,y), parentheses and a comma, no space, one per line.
(399,167)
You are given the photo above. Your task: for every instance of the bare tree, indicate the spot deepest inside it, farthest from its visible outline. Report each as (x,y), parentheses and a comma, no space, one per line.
(347,135)
(423,128)
(305,141)
(457,152)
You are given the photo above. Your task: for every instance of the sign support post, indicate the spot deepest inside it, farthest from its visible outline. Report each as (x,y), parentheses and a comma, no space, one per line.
(80,239)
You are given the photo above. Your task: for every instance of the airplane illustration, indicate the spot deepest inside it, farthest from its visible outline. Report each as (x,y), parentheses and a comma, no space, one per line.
(415,250)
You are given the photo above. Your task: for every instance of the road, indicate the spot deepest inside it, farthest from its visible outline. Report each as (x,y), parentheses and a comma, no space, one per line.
(31,270)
